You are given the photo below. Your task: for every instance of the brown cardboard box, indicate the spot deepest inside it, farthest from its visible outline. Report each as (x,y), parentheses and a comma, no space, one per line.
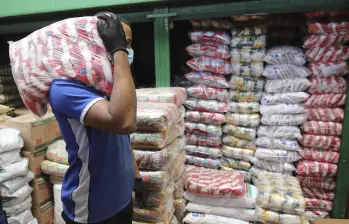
(35,160)
(36,133)
(330,221)
(44,213)
(42,191)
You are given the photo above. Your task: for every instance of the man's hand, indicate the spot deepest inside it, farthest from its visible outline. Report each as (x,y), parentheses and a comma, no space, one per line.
(112,33)
(142,193)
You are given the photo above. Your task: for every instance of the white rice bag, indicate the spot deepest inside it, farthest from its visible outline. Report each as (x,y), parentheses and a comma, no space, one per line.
(10,139)
(17,197)
(285,55)
(25,217)
(276,98)
(284,119)
(257,172)
(282,109)
(278,143)
(16,209)
(254,69)
(277,155)
(246,120)
(285,71)
(287,85)
(287,132)
(9,157)
(14,170)
(200,218)
(237,82)
(12,185)
(248,55)
(237,153)
(273,166)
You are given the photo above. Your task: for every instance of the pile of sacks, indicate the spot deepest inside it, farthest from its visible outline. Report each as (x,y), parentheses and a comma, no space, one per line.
(14,178)
(9,94)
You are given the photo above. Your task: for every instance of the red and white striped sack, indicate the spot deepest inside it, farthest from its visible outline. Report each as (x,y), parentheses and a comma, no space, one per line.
(327,54)
(318,169)
(325,183)
(210,64)
(205,117)
(210,37)
(328,69)
(330,143)
(319,155)
(318,204)
(328,85)
(318,193)
(322,128)
(325,114)
(320,28)
(216,51)
(326,40)
(325,100)
(316,214)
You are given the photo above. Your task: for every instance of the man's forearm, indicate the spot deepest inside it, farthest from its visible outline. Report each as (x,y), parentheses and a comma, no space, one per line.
(135,166)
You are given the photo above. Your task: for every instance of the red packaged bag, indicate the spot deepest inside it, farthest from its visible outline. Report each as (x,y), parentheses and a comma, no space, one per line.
(327,54)
(314,14)
(330,143)
(325,114)
(325,183)
(319,28)
(326,40)
(216,51)
(209,64)
(210,36)
(205,92)
(205,117)
(322,128)
(318,169)
(328,69)
(207,79)
(328,85)
(318,193)
(319,155)
(325,100)
(318,204)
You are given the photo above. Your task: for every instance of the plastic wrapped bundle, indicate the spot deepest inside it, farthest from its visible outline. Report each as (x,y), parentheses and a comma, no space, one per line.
(195,218)
(319,155)
(243,96)
(216,51)
(325,114)
(179,205)
(178,189)
(202,151)
(203,129)
(155,214)
(249,30)
(247,175)
(330,143)
(156,180)
(214,183)
(318,193)
(325,100)
(232,141)
(277,155)
(314,168)
(235,164)
(284,119)
(285,71)
(210,93)
(246,120)
(319,205)
(205,117)
(320,28)
(286,85)
(328,85)
(273,166)
(157,198)
(193,139)
(158,160)
(275,217)
(246,84)
(324,183)
(257,172)
(316,215)
(175,95)
(237,153)
(282,109)
(203,162)
(329,54)
(53,168)
(328,69)
(282,194)
(287,132)
(210,64)
(209,36)
(248,41)
(278,143)
(178,166)
(207,79)
(326,40)
(246,55)
(277,98)
(244,69)
(206,105)
(322,128)
(57,152)
(285,55)
(224,24)
(243,107)
(240,132)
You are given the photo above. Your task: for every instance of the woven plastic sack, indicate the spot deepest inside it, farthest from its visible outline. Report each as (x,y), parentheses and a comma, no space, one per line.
(154,214)
(319,155)
(277,98)
(328,69)
(249,30)
(203,162)
(57,152)
(316,215)
(282,109)
(9,157)
(327,54)
(285,55)
(286,85)
(14,170)
(18,208)
(272,216)
(53,168)
(10,139)
(282,194)
(232,141)
(214,183)
(17,197)
(180,208)
(287,132)
(200,140)
(328,85)
(320,28)
(277,155)
(278,143)
(246,120)
(257,172)
(205,117)
(12,185)
(175,95)
(322,128)
(318,193)
(235,164)
(330,143)
(273,166)
(203,129)
(243,96)
(157,198)
(202,151)
(224,24)
(325,114)
(201,218)
(218,51)
(325,100)
(210,93)
(178,189)
(156,180)
(326,40)
(209,36)
(284,119)
(208,79)
(285,71)
(23,217)
(258,41)
(319,205)
(210,64)
(243,107)
(206,105)
(240,132)
(244,69)
(248,55)
(237,153)
(314,168)
(325,183)
(246,84)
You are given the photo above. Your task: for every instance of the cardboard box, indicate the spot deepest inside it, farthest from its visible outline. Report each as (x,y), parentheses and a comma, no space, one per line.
(35,160)
(42,191)
(44,213)
(36,133)
(330,221)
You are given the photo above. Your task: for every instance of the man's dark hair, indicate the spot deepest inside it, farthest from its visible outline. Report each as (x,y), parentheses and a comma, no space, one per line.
(114,16)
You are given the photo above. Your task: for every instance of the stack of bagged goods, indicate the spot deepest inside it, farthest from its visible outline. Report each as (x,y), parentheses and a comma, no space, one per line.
(208,97)
(280,199)
(282,112)
(14,178)
(321,141)
(9,94)
(218,196)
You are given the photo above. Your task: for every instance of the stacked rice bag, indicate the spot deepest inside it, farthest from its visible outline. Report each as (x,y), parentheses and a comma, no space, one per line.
(218,194)
(321,141)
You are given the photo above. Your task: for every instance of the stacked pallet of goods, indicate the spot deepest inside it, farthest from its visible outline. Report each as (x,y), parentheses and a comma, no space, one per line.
(321,141)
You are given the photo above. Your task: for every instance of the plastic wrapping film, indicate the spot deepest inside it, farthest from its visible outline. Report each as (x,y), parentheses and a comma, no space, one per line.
(284,119)
(243,107)
(285,55)
(326,40)
(235,164)
(325,114)
(247,55)
(276,217)
(277,98)
(13,170)
(244,69)
(257,172)
(224,24)
(314,168)
(206,105)
(203,129)
(237,82)
(178,189)
(10,139)
(207,79)
(201,218)
(202,151)
(318,193)
(175,95)
(256,41)
(210,64)
(325,100)
(203,162)
(180,208)
(232,141)
(320,28)
(210,93)
(328,85)
(328,54)
(57,152)
(53,168)
(12,185)
(156,180)
(278,143)
(319,155)
(240,132)
(157,140)
(214,183)
(324,183)
(330,143)
(287,132)
(246,120)
(322,128)
(155,214)
(244,96)
(216,51)
(286,85)
(328,69)
(157,198)
(237,153)
(316,215)
(282,109)
(273,166)
(205,117)
(200,140)
(277,155)
(159,160)
(285,71)
(210,36)
(319,205)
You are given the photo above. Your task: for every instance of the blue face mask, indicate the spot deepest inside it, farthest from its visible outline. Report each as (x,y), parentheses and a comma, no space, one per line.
(130,55)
